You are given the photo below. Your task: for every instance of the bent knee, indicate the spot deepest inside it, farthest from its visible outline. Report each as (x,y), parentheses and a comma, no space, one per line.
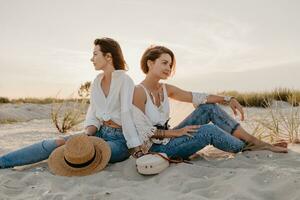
(208,106)
(49,145)
(60,142)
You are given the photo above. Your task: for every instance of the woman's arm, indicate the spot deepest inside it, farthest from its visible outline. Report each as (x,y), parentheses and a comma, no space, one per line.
(128,126)
(202,98)
(139,98)
(187,96)
(91,130)
(91,123)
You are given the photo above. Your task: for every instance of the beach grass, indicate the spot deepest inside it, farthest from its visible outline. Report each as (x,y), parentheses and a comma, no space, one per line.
(8,121)
(279,124)
(67,115)
(259,99)
(247,99)
(4,100)
(34,100)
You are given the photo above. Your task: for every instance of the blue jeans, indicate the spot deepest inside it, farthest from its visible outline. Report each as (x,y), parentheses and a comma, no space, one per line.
(218,134)
(42,150)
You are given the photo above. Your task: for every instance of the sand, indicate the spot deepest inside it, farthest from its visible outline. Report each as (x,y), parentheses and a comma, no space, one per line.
(215,175)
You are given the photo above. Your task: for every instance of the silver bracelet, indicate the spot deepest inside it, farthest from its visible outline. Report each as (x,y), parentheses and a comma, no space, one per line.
(227,99)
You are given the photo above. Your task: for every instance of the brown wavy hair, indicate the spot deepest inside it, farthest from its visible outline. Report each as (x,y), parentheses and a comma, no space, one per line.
(154,52)
(109,45)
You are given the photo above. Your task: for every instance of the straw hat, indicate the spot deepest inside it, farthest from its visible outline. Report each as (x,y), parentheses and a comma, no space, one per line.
(81,155)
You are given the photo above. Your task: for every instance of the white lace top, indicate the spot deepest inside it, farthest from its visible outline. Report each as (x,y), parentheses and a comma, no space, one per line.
(145,122)
(157,115)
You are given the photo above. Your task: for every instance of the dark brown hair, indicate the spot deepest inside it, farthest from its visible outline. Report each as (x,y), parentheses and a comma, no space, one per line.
(108,45)
(154,52)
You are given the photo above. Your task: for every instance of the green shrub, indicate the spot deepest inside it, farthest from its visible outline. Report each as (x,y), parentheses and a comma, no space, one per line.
(4,100)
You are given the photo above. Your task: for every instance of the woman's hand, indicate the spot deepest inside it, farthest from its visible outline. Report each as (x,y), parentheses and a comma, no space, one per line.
(91,130)
(185,131)
(136,152)
(236,106)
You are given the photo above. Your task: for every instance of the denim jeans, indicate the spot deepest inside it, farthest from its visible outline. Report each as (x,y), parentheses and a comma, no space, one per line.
(42,150)
(218,134)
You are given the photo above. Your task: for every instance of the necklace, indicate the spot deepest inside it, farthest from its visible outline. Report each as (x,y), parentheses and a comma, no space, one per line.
(159,98)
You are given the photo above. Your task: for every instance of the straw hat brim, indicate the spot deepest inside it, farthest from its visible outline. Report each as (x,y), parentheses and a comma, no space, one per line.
(58,165)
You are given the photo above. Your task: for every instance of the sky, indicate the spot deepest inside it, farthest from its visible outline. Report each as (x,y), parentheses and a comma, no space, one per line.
(243,45)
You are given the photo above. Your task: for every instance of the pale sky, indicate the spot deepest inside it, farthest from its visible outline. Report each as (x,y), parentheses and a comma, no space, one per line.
(244,45)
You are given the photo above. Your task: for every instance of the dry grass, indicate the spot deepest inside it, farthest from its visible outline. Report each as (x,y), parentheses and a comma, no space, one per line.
(4,100)
(35,100)
(8,121)
(67,115)
(41,100)
(85,90)
(247,99)
(259,99)
(279,124)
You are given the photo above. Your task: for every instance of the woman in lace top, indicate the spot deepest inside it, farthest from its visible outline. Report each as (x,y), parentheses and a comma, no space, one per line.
(208,124)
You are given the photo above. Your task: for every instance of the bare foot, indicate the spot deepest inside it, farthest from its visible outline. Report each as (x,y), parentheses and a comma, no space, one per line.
(269,147)
(296,141)
(194,156)
(281,144)
(277,149)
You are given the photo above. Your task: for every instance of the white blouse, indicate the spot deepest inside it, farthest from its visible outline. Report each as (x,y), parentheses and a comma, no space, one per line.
(116,106)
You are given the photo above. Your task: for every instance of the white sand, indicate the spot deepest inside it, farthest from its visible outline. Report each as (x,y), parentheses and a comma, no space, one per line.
(249,175)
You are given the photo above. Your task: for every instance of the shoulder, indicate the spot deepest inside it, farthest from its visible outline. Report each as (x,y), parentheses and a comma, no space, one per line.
(170,89)
(139,94)
(97,77)
(96,80)
(122,76)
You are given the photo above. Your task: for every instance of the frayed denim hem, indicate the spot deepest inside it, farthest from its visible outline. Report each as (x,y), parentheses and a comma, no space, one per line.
(234,128)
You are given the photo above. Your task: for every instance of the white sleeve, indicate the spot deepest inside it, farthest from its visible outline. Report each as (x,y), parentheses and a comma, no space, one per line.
(199,98)
(128,127)
(90,118)
(143,124)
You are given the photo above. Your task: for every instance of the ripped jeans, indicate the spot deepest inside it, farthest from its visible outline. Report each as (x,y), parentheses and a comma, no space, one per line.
(218,134)
(42,150)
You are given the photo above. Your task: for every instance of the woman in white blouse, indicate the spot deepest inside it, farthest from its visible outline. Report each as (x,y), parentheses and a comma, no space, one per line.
(108,116)
(207,124)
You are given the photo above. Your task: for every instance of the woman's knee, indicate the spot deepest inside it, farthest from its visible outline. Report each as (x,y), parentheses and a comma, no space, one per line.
(60,141)
(51,144)
(207,106)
